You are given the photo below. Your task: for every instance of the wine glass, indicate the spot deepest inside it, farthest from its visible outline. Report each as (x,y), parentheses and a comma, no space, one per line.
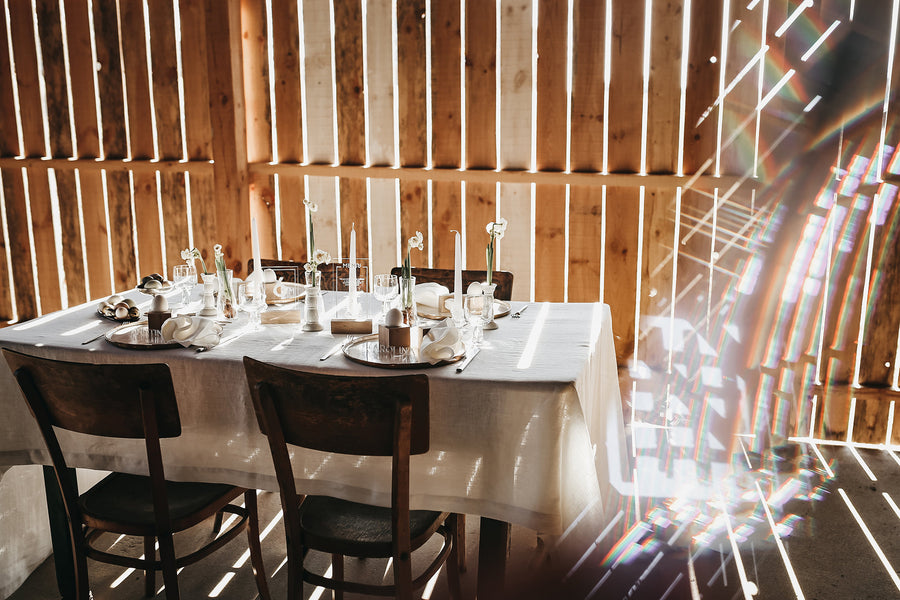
(252,300)
(184,276)
(386,288)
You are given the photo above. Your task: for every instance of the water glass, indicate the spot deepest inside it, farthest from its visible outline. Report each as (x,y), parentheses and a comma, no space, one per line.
(184,276)
(475,316)
(252,300)
(386,288)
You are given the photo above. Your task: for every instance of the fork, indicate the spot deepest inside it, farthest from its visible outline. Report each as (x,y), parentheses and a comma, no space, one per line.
(519,312)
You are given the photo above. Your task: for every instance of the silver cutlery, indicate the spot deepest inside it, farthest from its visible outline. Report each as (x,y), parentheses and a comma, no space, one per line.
(93,339)
(333,349)
(468,359)
(519,312)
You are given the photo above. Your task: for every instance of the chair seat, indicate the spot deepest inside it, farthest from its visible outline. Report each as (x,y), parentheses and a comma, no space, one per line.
(344,527)
(128,499)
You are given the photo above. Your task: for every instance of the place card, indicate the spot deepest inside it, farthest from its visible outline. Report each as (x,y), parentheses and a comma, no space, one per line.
(351,326)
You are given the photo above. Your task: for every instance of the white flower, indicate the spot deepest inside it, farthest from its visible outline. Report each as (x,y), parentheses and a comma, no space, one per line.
(311,206)
(417,241)
(498,228)
(309,267)
(322,256)
(187,254)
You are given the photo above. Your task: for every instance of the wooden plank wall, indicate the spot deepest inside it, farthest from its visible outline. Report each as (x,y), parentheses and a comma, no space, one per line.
(615,146)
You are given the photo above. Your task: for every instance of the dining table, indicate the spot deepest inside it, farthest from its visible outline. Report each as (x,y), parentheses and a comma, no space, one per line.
(529,433)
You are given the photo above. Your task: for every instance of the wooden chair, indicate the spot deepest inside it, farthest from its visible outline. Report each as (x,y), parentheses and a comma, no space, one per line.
(128,401)
(503,279)
(373,416)
(327,274)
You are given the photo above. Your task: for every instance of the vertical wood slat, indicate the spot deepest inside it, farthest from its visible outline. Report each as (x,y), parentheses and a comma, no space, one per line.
(198,129)
(140,129)
(254,37)
(319,131)
(25,57)
(702,85)
(513,252)
(18,247)
(380,97)
(550,200)
(288,117)
(411,89)
(664,87)
(351,120)
(585,218)
(446,118)
(229,135)
(624,118)
(481,66)
(112,108)
(84,114)
(167,107)
(738,106)
(59,123)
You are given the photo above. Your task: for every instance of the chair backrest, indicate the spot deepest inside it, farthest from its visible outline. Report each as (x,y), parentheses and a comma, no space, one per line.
(126,401)
(342,414)
(102,400)
(328,281)
(503,279)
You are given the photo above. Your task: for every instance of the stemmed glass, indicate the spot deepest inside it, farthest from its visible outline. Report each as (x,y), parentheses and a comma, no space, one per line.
(252,300)
(386,288)
(184,276)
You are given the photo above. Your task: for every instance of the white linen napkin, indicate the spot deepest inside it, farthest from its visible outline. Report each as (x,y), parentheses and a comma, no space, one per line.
(428,294)
(442,342)
(198,331)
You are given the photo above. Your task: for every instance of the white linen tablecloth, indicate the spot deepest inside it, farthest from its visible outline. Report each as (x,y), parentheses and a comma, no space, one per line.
(529,433)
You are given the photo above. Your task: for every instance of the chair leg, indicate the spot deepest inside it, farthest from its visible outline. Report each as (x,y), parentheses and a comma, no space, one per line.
(256,560)
(457,555)
(337,573)
(149,573)
(82,585)
(461,537)
(217,523)
(169,570)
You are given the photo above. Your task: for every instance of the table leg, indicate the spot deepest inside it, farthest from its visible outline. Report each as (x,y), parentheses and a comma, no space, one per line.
(493,545)
(59,534)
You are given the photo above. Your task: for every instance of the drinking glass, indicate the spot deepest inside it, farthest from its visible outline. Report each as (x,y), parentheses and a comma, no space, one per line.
(386,288)
(252,300)
(184,276)
(475,313)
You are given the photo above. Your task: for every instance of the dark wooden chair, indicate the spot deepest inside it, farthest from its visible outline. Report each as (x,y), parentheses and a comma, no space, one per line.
(328,280)
(372,416)
(128,401)
(503,279)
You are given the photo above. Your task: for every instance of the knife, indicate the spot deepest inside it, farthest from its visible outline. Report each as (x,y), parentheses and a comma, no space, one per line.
(333,349)
(468,359)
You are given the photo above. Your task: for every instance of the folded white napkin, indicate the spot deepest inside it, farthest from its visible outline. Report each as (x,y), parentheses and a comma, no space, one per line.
(428,294)
(198,331)
(442,342)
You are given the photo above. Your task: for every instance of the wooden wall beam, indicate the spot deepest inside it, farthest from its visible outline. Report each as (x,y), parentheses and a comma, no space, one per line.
(226,100)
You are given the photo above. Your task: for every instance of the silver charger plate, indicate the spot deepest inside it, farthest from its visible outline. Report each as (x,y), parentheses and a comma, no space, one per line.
(501,309)
(365,350)
(137,336)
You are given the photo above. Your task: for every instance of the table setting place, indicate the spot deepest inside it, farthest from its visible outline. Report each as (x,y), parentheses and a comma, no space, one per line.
(399,324)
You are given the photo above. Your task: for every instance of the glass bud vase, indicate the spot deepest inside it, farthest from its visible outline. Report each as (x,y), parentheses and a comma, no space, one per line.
(487,310)
(225,304)
(313,307)
(408,300)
